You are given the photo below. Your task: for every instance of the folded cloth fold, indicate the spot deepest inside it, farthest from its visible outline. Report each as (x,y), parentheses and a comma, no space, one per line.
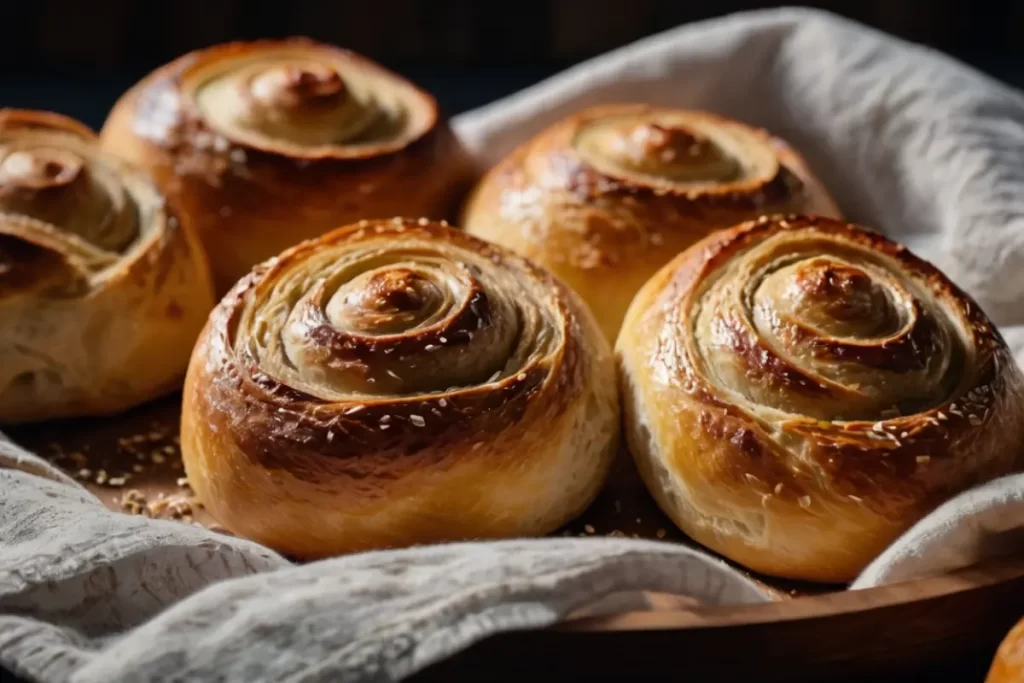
(909,141)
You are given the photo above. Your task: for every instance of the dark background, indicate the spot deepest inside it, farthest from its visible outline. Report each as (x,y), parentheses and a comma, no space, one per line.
(77,56)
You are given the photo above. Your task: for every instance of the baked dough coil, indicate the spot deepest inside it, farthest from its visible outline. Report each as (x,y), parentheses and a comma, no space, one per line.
(394,383)
(103,286)
(799,391)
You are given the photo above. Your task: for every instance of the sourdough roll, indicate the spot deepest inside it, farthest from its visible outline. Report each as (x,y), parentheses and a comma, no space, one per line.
(799,391)
(606,197)
(103,287)
(271,142)
(394,383)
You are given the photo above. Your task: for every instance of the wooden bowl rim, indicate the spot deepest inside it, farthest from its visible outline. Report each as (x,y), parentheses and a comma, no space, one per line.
(827,605)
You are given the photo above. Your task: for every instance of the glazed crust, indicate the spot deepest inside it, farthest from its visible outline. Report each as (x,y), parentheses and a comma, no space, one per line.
(1008,665)
(607,196)
(268,143)
(799,391)
(395,383)
(103,285)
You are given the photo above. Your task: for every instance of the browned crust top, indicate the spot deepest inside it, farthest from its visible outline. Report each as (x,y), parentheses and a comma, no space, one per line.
(356,433)
(771,396)
(554,155)
(166,112)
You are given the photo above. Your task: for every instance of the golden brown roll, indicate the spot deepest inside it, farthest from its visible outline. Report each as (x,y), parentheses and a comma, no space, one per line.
(394,383)
(269,143)
(608,196)
(1008,665)
(798,391)
(103,287)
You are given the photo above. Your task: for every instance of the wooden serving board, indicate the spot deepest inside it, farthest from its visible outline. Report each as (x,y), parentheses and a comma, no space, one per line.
(132,462)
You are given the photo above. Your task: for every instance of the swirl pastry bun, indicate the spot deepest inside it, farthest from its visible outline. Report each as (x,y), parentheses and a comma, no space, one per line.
(1008,665)
(799,391)
(103,288)
(606,197)
(268,143)
(394,383)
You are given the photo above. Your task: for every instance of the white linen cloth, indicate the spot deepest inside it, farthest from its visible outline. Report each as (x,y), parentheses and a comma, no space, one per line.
(908,140)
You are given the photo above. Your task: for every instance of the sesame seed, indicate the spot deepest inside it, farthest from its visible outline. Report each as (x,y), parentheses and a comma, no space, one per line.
(417,420)
(385,419)
(878,427)
(477,445)
(169,450)
(618,506)
(330,436)
(443,402)
(805,502)
(182,481)
(778,488)
(956,412)
(392,374)
(423,221)
(588,528)
(974,420)
(158,458)
(941,415)
(903,435)
(495,376)
(857,499)
(431,347)
(383,426)
(354,409)
(922,459)
(84,473)
(638,520)
(751,478)
(444,340)
(660,533)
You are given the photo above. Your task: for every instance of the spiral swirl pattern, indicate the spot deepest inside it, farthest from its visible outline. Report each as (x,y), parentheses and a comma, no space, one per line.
(58,196)
(802,390)
(678,151)
(377,366)
(608,196)
(84,237)
(305,100)
(825,328)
